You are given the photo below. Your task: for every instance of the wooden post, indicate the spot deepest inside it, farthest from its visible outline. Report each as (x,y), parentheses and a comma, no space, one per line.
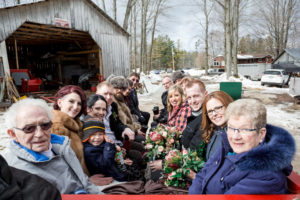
(100,62)
(59,69)
(16,52)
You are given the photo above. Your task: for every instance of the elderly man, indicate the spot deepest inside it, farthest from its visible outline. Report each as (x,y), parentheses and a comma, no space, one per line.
(162,116)
(143,117)
(34,149)
(191,136)
(114,128)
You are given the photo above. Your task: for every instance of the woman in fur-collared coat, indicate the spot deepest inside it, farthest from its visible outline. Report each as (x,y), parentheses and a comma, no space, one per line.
(70,103)
(255,158)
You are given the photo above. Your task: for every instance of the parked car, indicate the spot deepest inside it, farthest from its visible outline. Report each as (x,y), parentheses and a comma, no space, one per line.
(155,71)
(274,77)
(169,70)
(216,71)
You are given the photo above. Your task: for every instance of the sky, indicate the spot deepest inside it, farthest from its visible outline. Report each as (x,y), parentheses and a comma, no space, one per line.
(179,21)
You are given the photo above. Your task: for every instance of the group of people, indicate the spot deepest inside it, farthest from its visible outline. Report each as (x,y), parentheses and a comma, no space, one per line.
(83,142)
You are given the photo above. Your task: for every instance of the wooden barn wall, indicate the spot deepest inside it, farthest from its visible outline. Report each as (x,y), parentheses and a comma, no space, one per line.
(82,16)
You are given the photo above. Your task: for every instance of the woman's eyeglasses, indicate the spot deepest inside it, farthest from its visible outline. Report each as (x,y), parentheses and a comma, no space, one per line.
(244,131)
(32,128)
(216,110)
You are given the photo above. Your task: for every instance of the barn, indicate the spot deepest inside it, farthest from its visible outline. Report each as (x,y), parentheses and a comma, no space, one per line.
(60,40)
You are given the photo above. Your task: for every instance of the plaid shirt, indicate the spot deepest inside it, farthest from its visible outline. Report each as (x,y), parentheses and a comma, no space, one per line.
(178,116)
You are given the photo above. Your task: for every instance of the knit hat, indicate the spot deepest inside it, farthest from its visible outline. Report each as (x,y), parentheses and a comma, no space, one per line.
(177,75)
(90,127)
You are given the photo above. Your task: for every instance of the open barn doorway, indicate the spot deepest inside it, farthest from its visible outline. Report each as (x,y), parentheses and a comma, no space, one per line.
(56,55)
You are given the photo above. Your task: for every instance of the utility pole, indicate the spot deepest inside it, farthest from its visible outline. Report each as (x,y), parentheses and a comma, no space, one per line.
(173,59)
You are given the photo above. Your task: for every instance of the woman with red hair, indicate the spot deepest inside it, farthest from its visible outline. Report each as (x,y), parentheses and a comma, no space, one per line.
(69,105)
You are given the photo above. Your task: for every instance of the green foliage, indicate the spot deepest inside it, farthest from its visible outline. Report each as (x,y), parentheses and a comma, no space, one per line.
(162,54)
(179,164)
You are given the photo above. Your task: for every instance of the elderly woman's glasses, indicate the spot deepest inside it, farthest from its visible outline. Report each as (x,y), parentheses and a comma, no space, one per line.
(216,110)
(229,129)
(32,128)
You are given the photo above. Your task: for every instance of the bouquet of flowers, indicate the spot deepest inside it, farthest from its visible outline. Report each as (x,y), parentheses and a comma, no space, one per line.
(178,165)
(160,141)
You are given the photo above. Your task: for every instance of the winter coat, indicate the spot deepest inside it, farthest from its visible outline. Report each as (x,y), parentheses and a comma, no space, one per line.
(191,135)
(178,116)
(125,114)
(133,104)
(62,170)
(101,160)
(215,143)
(116,124)
(67,126)
(163,114)
(19,184)
(262,170)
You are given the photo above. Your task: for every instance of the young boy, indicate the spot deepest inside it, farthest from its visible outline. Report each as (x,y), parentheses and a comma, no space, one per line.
(99,151)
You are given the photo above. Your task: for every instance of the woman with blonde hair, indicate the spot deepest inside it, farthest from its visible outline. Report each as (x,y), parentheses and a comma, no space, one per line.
(178,108)
(213,119)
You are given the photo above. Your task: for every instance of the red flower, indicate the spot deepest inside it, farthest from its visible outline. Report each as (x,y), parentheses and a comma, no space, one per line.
(154,136)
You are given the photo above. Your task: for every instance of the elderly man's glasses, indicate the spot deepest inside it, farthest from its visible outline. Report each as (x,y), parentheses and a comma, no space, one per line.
(32,128)
(166,83)
(229,129)
(216,110)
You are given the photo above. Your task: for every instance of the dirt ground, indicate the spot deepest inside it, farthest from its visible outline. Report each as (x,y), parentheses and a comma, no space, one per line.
(283,101)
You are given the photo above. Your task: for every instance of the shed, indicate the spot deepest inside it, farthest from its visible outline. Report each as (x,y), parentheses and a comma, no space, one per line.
(61,37)
(288,57)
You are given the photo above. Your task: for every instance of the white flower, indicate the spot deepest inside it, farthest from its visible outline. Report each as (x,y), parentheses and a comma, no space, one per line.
(160,148)
(164,134)
(149,146)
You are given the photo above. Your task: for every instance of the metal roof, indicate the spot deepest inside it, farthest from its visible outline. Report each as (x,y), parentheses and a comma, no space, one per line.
(295,53)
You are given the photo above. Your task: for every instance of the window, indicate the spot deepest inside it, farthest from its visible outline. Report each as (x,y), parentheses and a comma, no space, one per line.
(216,63)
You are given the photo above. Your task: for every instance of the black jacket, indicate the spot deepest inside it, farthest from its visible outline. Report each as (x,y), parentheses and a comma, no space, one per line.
(101,160)
(19,184)
(133,104)
(115,123)
(164,114)
(191,135)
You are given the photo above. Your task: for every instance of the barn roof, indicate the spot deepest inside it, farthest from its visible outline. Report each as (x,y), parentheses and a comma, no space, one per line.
(11,4)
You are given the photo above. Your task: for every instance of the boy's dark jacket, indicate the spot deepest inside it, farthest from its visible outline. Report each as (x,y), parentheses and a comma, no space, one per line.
(101,160)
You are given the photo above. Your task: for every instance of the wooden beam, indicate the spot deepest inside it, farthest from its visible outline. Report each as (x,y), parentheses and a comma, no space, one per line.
(68,31)
(50,32)
(16,52)
(100,61)
(59,69)
(78,52)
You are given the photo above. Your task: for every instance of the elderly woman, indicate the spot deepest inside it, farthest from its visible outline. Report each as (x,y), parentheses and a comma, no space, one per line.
(69,105)
(178,109)
(213,120)
(34,149)
(255,157)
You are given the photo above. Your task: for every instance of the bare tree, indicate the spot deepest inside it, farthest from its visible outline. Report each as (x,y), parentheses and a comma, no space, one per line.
(277,16)
(158,8)
(227,10)
(129,6)
(103,5)
(143,49)
(236,10)
(115,9)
